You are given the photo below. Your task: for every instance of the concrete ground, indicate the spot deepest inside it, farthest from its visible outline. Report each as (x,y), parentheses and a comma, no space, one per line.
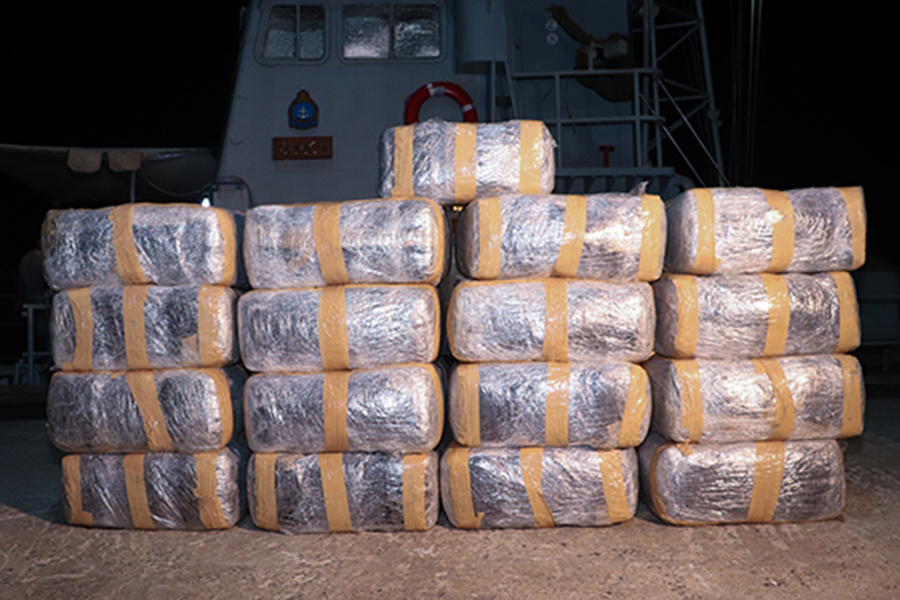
(852,557)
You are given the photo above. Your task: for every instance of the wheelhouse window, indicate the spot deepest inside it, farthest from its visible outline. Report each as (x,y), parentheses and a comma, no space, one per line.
(294,32)
(385,30)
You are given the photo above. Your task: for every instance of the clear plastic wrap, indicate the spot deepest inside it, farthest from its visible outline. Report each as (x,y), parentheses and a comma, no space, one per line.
(342,492)
(157,490)
(750,230)
(554,320)
(493,488)
(338,327)
(162,244)
(746,482)
(747,400)
(610,237)
(179,410)
(366,241)
(140,327)
(454,163)
(745,316)
(604,405)
(388,409)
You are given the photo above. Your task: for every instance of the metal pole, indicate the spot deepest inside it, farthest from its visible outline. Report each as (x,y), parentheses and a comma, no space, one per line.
(713,111)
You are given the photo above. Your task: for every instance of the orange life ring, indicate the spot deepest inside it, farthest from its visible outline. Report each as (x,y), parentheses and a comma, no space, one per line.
(440,88)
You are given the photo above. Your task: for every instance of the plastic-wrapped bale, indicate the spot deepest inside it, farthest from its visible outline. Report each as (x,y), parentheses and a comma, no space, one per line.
(387,409)
(157,490)
(179,410)
(611,237)
(454,163)
(554,320)
(746,482)
(162,244)
(366,241)
(747,316)
(143,327)
(793,397)
(605,405)
(751,230)
(342,492)
(493,488)
(338,327)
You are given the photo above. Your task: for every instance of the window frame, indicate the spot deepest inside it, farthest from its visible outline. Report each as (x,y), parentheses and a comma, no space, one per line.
(262,30)
(391,59)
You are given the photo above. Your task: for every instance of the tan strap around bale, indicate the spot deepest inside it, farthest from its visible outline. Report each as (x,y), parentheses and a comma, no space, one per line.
(334,344)
(490,238)
(133,299)
(856,213)
(209,324)
(688,312)
(651,258)
(142,385)
(848,337)
(656,501)
(691,398)
(226,407)
(83,315)
(556,416)
(784,400)
(530,461)
(71,467)
(334,490)
(637,402)
(613,480)
(782,220)
(136,490)
(572,242)
(266,516)
(852,419)
(335,392)
(767,476)
(531,155)
(469,425)
(705,261)
(461,488)
(127,263)
(414,466)
(327,240)
(464,161)
(229,245)
(212,514)
(556,321)
(403,162)
(779,317)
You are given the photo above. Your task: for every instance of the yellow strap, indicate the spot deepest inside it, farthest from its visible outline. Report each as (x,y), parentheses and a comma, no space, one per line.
(469,425)
(327,239)
(211,513)
(766,482)
(782,214)
(784,400)
(572,241)
(83,315)
(229,245)
(705,262)
(636,404)
(461,488)
(403,162)
(464,163)
(127,263)
(133,299)
(688,312)
(852,421)
(691,397)
(847,312)
(136,490)
(490,236)
(556,321)
(651,259)
(556,416)
(266,500)
(856,212)
(613,480)
(209,309)
(143,389)
(226,407)
(334,345)
(779,314)
(71,466)
(414,492)
(530,460)
(531,156)
(337,509)
(334,404)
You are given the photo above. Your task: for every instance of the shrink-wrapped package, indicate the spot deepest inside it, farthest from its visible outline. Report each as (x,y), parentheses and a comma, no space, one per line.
(454,163)
(745,482)
(365,241)
(157,490)
(491,488)
(555,320)
(611,237)
(792,397)
(139,327)
(750,230)
(341,492)
(338,327)
(764,315)
(387,409)
(162,244)
(178,410)
(603,405)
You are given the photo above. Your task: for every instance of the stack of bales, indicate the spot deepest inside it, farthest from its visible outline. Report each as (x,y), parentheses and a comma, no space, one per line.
(753,385)
(143,324)
(344,409)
